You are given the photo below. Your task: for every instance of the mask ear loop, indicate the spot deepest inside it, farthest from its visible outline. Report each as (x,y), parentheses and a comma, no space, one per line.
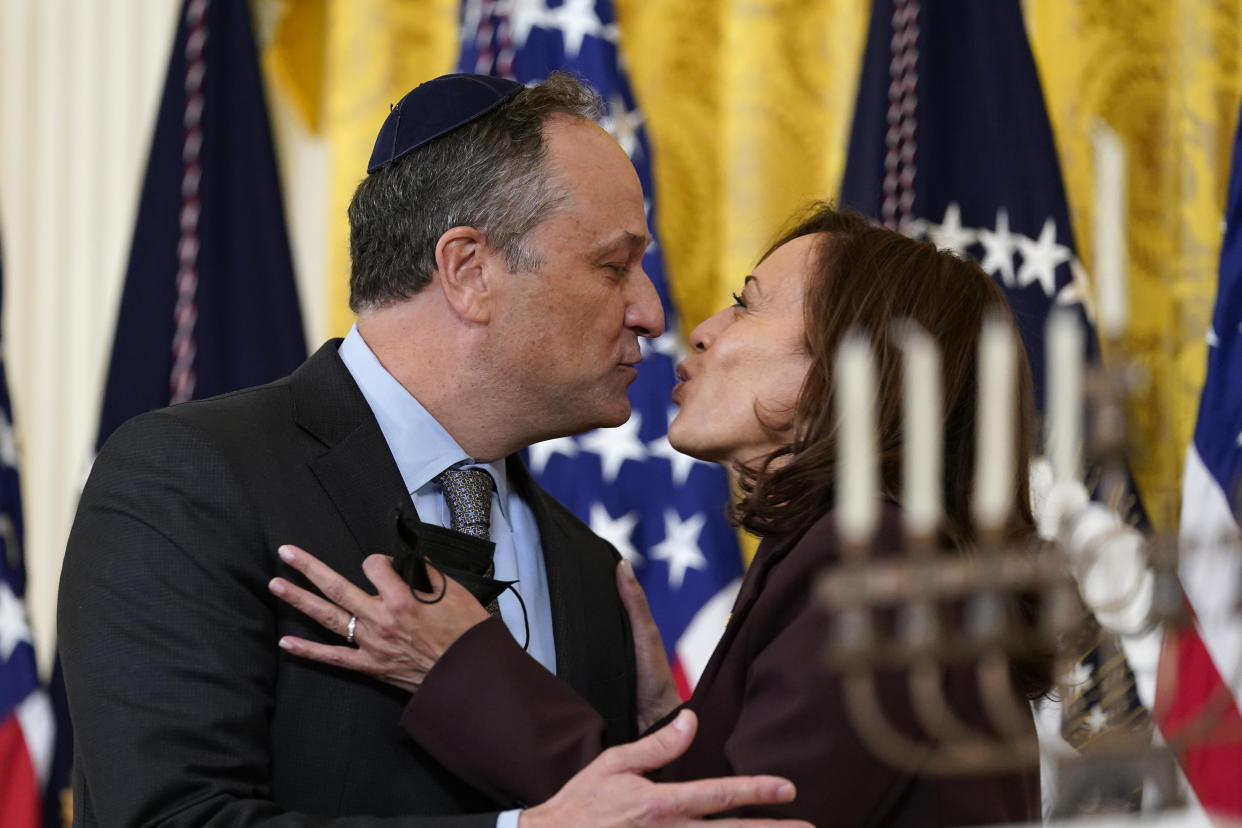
(439,594)
(525,617)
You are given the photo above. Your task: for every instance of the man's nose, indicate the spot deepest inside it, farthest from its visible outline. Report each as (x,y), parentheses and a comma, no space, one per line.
(644,314)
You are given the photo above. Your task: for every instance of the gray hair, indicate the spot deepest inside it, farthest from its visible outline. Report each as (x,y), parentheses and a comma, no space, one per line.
(489,174)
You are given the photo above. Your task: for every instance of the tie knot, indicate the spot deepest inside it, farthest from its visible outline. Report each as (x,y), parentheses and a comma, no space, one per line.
(468,493)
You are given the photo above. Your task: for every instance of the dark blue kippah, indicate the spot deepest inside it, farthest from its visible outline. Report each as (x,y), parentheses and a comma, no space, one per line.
(437,107)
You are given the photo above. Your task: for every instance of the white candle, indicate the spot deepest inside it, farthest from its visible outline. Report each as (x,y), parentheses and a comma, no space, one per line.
(922,410)
(857,509)
(994,423)
(1110,231)
(1063,359)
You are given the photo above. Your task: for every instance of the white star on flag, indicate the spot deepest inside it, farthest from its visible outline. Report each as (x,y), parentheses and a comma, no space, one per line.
(617,531)
(668,343)
(654,243)
(13,627)
(951,235)
(524,15)
(1079,675)
(541,453)
(998,249)
(574,18)
(615,445)
(1041,257)
(680,547)
(1096,720)
(1077,291)
(682,463)
(1213,340)
(622,124)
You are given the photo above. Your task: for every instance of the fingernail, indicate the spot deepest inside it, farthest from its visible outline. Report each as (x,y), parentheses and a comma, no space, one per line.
(277,586)
(285,644)
(786,791)
(629,570)
(682,722)
(285,553)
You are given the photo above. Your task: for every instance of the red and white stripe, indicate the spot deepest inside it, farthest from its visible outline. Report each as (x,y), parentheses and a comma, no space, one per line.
(1199,694)
(185,311)
(900,138)
(698,641)
(26,744)
(494,19)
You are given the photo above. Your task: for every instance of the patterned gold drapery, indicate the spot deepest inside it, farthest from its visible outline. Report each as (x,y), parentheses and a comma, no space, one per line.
(1167,76)
(343,63)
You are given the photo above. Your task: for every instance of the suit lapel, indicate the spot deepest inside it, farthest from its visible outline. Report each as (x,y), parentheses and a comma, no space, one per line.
(356,469)
(769,553)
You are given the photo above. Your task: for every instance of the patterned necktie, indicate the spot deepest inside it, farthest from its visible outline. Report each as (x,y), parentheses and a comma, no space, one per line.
(468,493)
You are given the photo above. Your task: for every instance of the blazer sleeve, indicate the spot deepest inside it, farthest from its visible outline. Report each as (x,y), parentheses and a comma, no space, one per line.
(499,720)
(168,641)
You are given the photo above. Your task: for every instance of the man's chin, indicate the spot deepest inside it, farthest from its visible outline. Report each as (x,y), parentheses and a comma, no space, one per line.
(614,417)
(610,416)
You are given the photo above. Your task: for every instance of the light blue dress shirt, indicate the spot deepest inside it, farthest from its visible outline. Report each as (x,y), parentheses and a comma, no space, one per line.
(423,449)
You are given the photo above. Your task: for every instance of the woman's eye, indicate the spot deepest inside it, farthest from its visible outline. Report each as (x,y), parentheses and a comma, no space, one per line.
(739,301)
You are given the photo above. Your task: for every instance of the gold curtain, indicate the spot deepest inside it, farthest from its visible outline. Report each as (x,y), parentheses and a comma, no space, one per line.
(1165,74)
(748,105)
(343,63)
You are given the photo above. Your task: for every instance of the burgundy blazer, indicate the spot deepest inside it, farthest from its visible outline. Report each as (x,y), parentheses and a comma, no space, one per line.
(765,705)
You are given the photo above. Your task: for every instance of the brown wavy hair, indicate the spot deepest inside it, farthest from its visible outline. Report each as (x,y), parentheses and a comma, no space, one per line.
(864,277)
(868,278)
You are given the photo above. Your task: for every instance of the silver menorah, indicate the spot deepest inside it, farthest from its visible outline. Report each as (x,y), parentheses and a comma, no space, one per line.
(919,611)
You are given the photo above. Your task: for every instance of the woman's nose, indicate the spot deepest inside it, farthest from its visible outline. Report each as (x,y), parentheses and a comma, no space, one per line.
(705,332)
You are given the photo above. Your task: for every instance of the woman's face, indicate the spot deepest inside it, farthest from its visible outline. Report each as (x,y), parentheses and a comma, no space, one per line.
(749,361)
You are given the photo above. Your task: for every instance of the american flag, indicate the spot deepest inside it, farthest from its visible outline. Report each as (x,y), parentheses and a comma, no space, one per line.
(1207,691)
(951,142)
(662,510)
(26,723)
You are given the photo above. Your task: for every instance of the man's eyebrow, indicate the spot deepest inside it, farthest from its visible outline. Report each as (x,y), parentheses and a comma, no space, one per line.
(623,241)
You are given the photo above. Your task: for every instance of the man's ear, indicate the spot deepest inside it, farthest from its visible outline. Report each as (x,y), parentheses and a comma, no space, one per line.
(462,260)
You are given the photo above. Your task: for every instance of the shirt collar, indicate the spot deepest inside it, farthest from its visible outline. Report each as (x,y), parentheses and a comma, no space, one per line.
(421,446)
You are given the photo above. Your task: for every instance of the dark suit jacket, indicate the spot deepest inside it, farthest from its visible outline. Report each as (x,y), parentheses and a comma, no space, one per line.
(185,711)
(765,704)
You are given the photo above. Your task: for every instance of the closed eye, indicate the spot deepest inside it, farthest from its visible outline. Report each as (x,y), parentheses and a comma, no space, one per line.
(739,301)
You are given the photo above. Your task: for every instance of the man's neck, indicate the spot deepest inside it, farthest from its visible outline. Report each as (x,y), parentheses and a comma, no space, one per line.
(429,353)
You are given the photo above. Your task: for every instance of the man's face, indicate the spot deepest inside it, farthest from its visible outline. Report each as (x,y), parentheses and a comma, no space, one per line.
(567,332)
